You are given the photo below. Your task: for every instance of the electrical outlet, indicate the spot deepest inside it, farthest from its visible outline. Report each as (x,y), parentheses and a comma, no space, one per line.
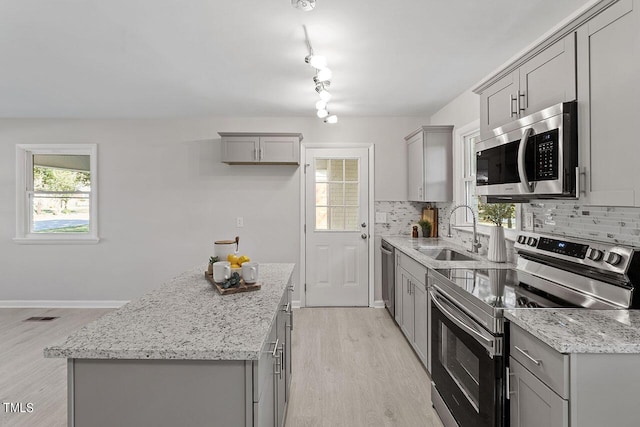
(381,217)
(528,221)
(239,222)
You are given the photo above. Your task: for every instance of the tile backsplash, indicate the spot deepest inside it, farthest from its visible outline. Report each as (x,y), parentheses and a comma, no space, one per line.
(620,225)
(400,216)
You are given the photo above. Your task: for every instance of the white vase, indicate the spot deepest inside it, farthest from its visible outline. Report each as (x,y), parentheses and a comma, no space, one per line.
(497,246)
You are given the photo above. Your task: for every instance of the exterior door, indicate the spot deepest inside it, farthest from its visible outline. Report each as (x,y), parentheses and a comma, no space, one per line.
(337,228)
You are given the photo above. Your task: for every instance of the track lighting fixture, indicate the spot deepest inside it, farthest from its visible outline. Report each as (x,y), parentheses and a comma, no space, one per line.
(322,79)
(305,5)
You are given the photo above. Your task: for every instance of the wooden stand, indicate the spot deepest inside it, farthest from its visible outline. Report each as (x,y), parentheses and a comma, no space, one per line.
(431,214)
(242,287)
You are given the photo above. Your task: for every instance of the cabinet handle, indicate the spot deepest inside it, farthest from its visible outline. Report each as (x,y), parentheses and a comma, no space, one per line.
(286,308)
(276,358)
(508,383)
(291,320)
(421,197)
(514,112)
(291,287)
(528,356)
(521,101)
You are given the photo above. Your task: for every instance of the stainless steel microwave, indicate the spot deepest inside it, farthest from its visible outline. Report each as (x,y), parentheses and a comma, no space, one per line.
(535,157)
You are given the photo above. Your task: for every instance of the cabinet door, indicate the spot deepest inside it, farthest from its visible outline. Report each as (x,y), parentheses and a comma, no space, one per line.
(240,148)
(532,403)
(264,387)
(421,326)
(609,101)
(415,168)
(288,346)
(498,104)
(549,77)
(407,306)
(438,166)
(279,149)
(279,364)
(399,295)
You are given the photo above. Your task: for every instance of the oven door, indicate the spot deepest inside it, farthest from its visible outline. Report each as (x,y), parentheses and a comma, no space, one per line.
(467,365)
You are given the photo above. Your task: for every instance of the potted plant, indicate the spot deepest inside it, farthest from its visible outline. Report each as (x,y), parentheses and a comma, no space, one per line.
(426,227)
(497,213)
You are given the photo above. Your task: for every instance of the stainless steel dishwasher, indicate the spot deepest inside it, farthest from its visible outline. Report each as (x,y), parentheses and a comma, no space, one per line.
(388,277)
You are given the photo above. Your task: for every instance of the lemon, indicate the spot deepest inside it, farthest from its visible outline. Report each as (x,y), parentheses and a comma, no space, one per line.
(233,259)
(235,265)
(243,259)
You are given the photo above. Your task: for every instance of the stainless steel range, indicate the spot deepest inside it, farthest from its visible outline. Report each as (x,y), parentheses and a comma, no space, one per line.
(467,324)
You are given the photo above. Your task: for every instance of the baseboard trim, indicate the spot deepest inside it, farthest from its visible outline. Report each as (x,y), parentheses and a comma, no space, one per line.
(61,304)
(296,304)
(378,304)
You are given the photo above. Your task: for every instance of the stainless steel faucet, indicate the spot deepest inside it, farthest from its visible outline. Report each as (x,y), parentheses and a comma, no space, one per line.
(474,244)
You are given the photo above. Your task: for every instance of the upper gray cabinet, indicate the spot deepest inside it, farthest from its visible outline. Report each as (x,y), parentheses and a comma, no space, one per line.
(260,148)
(609,104)
(545,79)
(429,164)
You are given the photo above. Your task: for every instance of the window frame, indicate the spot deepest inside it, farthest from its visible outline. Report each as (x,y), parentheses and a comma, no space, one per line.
(460,220)
(24,167)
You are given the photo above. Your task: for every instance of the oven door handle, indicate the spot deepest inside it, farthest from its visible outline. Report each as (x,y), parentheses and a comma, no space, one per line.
(488,343)
(522,171)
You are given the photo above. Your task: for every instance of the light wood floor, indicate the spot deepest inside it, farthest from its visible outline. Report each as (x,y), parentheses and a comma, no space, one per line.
(351,367)
(25,375)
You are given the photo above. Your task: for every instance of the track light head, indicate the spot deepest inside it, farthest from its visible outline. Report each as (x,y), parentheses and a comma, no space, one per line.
(305,5)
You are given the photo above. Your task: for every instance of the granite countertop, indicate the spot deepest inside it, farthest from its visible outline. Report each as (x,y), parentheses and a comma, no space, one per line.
(410,246)
(184,319)
(579,330)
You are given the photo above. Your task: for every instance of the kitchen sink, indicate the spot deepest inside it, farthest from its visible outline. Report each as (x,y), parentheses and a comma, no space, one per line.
(445,254)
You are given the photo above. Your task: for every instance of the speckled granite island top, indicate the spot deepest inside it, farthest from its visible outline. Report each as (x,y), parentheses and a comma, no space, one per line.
(184,319)
(410,247)
(578,330)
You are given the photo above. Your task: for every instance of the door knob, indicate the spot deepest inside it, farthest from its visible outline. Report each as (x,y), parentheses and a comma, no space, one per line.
(363,235)
(363,225)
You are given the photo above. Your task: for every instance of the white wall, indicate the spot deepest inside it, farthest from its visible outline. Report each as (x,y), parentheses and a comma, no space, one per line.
(464,109)
(165,197)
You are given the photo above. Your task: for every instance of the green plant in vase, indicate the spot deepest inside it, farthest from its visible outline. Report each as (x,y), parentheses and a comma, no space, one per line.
(496,213)
(211,261)
(426,227)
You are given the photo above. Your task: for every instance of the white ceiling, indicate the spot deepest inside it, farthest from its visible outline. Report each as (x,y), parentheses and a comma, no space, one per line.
(163,58)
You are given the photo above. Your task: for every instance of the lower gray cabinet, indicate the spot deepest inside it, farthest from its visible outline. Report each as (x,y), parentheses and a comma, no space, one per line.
(412,312)
(532,403)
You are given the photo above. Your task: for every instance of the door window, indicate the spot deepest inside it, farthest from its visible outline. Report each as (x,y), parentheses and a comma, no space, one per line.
(336,192)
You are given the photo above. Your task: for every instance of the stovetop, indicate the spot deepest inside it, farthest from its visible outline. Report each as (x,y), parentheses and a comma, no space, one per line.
(500,288)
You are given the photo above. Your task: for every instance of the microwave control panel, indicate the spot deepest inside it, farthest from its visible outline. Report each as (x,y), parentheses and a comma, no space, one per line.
(546,155)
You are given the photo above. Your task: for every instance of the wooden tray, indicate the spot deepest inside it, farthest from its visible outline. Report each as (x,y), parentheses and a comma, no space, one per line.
(242,287)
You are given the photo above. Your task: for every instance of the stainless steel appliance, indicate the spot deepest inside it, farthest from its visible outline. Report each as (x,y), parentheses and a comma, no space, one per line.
(533,157)
(468,328)
(388,277)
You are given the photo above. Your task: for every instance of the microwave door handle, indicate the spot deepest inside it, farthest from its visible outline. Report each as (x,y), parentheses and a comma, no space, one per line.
(522,171)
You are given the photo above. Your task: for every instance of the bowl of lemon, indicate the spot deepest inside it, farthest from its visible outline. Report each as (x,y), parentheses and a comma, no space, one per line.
(237,261)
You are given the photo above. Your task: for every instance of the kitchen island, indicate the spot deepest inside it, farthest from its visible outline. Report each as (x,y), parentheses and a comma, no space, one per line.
(184,355)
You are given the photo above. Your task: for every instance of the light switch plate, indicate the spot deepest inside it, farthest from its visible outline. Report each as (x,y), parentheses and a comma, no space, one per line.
(528,221)
(381,217)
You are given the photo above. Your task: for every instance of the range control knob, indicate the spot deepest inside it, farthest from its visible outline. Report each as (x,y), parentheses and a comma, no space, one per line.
(613,258)
(532,241)
(522,239)
(595,254)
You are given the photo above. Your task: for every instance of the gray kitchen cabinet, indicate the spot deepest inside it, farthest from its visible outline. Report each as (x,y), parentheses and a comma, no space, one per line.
(430,164)
(545,79)
(399,294)
(532,403)
(260,148)
(549,388)
(414,319)
(608,60)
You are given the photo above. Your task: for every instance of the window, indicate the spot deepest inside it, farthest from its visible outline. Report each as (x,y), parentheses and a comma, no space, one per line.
(337,189)
(56,193)
(465,159)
